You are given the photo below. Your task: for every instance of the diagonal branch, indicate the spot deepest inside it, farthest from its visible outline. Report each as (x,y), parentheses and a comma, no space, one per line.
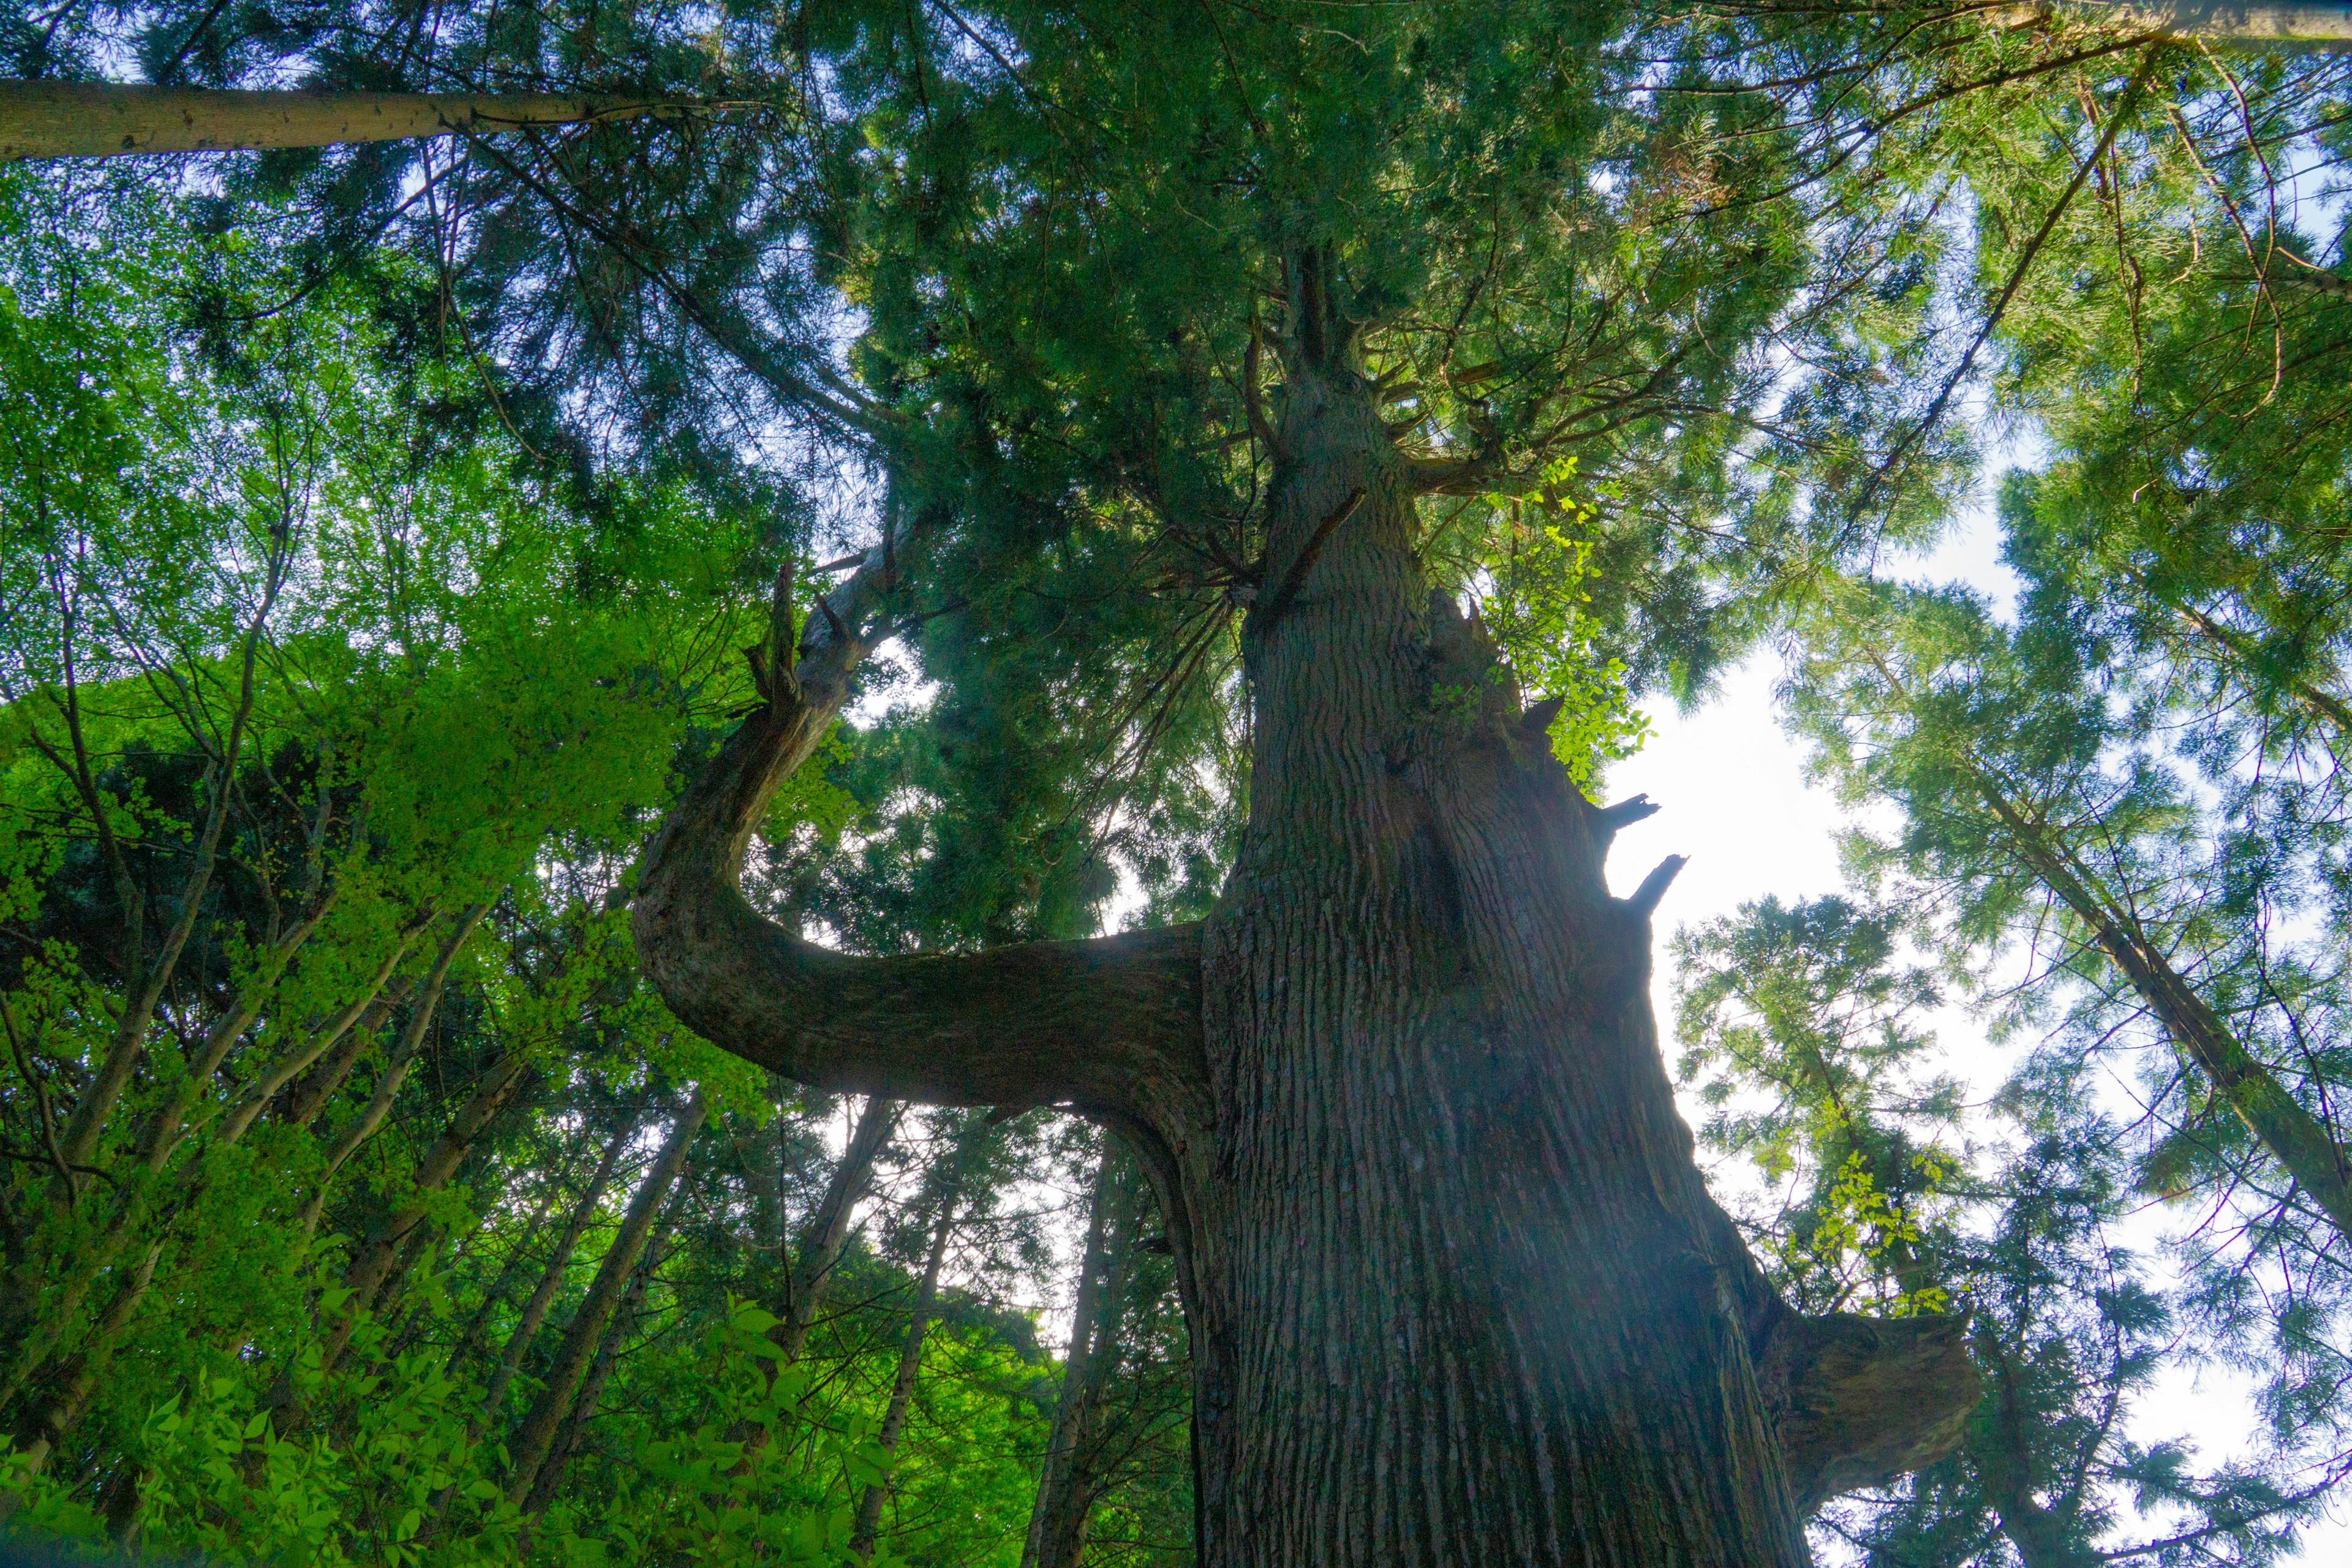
(2017,276)
(104,119)
(1111,1025)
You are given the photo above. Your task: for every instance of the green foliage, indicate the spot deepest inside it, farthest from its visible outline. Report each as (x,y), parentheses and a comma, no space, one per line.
(1874,1185)
(333,719)
(1803,1032)
(1540,612)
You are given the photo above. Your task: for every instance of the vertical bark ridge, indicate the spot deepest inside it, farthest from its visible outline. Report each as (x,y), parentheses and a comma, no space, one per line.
(1467,1254)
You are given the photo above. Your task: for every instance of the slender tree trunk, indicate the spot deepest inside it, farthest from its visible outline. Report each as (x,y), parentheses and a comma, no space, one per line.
(2259,24)
(251,998)
(823,1238)
(126,1222)
(2320,703)
(2294,1137)
(544,1485)
(311,1098)
(316,1088)
(56,1415)
(1068,1481)
(470,1340)
(364,1275)
(390,1309)
(551,1279)
(528,1448)
(104,119)
(283,1071)
(902,1387)
(826,1234)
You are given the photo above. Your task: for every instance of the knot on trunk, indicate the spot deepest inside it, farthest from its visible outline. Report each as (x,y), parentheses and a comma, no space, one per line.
(1859,1401)
(1468,683)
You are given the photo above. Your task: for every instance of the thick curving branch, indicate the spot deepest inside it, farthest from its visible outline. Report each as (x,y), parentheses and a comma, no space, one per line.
(1112,1027)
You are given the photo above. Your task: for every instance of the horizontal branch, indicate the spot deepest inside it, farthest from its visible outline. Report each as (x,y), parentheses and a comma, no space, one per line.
(105,119)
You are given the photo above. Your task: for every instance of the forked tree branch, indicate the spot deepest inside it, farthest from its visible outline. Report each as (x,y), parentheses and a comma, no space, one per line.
(1112,1027)
(1856,1401)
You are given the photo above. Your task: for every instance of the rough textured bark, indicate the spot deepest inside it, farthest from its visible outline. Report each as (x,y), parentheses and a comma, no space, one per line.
(104,119)
(1102,1024)
(1067,1480)
(528,1448)
(1457,1237)
(1457,1294)
(902,1387)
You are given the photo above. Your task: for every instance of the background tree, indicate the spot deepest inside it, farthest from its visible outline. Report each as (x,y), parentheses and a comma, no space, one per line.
(355,1191)
(1875,1182)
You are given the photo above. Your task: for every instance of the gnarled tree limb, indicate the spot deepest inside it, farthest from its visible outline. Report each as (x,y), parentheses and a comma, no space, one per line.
(1856,1401)
(1110,1026)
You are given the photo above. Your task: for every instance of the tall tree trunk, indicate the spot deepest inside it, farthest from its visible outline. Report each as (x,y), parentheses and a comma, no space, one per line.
(470,1340)
(536,1436)
(126,1222)
(902,1387)
(534,1310)
(310,1098)
(2320,702)
(1456,1239)
(544,1485)
(826,1234)
(257,1096)
(55,1415)
(364,1275)
(2300,1143)
(1067,1480)
(103,120)
(823,1239)
(1457,1294)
